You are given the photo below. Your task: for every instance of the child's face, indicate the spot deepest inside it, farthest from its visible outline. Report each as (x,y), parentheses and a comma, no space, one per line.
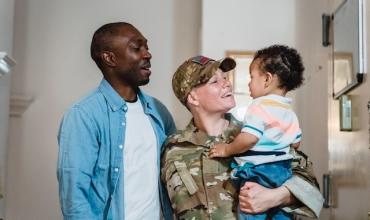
(258,80)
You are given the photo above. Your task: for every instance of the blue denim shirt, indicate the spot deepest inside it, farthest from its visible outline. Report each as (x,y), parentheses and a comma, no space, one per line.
(90,161)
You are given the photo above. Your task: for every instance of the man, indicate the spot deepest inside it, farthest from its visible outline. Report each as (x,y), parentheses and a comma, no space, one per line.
(109,142)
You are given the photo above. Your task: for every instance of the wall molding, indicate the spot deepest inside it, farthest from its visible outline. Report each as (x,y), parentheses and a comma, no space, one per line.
(19,104)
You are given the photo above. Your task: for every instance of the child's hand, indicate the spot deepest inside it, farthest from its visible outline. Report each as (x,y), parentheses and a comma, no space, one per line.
(219,150)
(295,145)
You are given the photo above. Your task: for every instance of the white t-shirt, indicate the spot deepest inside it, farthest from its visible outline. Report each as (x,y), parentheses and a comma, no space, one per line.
(140,155)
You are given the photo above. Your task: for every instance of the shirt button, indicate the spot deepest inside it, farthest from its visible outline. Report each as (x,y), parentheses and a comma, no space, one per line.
(116,169)
(123,123)
(120,146)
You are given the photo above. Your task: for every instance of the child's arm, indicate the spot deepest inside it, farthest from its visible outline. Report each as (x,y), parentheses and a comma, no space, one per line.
(243,142)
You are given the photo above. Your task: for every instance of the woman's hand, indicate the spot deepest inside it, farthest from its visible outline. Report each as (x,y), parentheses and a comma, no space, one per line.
(219,150)
(254,198)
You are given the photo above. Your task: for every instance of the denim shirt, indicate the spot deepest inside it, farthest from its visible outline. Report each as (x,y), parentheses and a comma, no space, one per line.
(90,161)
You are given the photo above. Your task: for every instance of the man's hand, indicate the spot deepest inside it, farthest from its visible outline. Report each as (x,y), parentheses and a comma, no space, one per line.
(254,198)
(219,150)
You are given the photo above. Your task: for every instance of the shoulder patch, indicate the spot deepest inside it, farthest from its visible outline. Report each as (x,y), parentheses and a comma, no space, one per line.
(202,60)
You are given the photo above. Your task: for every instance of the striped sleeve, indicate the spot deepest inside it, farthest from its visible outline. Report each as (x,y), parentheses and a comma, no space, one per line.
(254,120)
(298,138)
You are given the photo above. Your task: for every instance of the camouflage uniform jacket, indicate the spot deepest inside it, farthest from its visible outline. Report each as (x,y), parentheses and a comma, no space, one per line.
(197,185)
(200,188)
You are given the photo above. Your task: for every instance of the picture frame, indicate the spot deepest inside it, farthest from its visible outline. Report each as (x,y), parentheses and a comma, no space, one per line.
(343,72)
(239,77)
(349,48)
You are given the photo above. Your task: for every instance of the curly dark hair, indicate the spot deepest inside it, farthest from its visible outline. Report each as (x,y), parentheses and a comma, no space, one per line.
(283,61)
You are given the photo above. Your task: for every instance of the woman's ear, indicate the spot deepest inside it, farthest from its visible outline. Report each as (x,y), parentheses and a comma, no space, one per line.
(192,98)
(108,58)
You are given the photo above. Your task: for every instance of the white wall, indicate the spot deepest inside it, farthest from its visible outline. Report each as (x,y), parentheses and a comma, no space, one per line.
(246,25)
(51,45)
(6,39)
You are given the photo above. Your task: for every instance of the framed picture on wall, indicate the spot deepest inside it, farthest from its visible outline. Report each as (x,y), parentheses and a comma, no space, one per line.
(343,72)
(239,77)
(349,46)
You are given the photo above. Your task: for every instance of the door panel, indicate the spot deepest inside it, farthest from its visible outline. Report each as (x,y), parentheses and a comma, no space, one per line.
(349,156)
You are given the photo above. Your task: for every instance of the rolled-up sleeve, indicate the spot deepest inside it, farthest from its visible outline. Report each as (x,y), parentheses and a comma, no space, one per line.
(310,198)
(304,187)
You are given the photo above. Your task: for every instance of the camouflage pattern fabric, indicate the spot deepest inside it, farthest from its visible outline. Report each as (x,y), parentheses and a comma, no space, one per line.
(303,167)
(199,187)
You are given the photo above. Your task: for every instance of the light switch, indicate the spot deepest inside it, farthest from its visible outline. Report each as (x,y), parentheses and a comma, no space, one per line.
(6,63)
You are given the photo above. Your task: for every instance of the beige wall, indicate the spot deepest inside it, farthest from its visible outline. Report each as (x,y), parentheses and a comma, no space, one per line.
(312,106)
(51,44)
(343,154)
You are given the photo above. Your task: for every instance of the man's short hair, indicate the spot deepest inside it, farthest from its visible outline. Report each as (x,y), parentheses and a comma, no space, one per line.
(102,39)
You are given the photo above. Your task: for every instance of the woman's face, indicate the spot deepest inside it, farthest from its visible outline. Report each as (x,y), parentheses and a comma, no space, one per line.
(216,95)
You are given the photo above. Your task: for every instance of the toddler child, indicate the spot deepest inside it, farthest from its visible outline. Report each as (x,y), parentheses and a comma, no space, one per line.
(261,150)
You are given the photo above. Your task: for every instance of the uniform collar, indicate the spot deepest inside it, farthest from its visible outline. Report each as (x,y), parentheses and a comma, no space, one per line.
(193,135)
